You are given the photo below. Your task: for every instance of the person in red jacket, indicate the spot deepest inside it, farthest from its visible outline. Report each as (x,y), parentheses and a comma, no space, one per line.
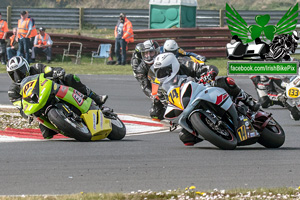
(123,35)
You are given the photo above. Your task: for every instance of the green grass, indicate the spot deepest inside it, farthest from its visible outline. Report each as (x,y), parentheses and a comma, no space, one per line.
(98,66)
(187,194)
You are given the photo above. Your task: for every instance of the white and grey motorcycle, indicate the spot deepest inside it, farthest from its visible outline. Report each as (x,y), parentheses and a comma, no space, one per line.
(210,114)
(292,94)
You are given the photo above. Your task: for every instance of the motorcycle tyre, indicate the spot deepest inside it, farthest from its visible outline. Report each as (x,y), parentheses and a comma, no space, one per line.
(118,130)
(269,139)
(68,130)
(210,135)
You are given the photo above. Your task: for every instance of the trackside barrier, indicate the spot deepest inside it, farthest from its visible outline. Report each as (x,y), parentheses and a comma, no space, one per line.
(209,42)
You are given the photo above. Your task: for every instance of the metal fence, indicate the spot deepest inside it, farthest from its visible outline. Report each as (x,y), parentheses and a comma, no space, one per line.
(77,18)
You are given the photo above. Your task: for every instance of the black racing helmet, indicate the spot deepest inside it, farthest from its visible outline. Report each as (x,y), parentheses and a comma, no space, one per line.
(17,69)
(150,51)
(138,50)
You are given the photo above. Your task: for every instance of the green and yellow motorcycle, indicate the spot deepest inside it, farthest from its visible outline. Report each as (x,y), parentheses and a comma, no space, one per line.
(67,111)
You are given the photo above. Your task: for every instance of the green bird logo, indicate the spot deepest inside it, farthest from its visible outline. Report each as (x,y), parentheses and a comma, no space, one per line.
(238,26)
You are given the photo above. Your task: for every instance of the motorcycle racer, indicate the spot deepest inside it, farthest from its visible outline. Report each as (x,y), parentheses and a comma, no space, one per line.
(136,58)
(166,67)
(270,89)
(172,46)
(18,68)
(148,50)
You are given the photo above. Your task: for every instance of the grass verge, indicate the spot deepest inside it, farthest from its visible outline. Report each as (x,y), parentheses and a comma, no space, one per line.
(99,67)
(190,193)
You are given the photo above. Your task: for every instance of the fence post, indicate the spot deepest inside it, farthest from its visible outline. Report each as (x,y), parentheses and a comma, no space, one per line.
(8,15)
(81,15)
(221,17)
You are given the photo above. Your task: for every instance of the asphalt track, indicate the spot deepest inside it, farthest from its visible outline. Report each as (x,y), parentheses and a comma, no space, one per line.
(143,162)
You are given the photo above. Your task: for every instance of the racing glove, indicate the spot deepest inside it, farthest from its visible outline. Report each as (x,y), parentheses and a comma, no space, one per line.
(58,73)
(202,58)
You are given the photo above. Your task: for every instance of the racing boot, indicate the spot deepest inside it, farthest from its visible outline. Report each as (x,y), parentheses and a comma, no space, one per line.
(46,132)
(248,101)
(99,99)
(188,139)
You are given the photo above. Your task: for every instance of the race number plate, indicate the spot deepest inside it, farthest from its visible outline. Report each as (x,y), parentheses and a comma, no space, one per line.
(174,98)
(293,92)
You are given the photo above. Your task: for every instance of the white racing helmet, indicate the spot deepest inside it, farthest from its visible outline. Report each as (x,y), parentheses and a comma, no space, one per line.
(170,46)
(17,69)
(166,67)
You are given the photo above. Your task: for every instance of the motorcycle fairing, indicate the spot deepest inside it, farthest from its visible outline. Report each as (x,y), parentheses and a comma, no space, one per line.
(46,122)
(174,98)
(213,95)
(35,92)
(74,97)
(292,92)
(198,93)
(296,81)
(246,131)
(172,112)
(99,126)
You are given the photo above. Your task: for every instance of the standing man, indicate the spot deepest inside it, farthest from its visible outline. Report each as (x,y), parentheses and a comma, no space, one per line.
(3,33)
(13,45)
(123,35)
(42,43)
(24,30)
(33,31)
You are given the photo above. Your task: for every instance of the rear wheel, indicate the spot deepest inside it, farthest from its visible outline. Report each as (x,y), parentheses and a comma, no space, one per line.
(118,129)
(69,126)
(218,136)
(272,136)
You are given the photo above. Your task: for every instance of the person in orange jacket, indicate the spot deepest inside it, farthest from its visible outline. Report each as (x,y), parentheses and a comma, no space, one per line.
(42,44)
(13,46)
(123,35)
(33,32)
(24,30)
(3,33)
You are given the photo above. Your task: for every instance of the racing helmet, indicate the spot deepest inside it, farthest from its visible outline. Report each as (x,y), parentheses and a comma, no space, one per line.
(166,66)
(17,69)
(150,51)
(171,46)
(138,50)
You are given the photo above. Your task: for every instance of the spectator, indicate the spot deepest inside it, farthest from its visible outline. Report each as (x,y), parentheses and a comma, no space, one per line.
(13,45)
(3,33)
(123,35)
(33,31)
(24,30)
(42,44)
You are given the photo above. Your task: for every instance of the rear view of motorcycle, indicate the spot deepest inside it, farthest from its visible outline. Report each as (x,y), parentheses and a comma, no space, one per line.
(67,111)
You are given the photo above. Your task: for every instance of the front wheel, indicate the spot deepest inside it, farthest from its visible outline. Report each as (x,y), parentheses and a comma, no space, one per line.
(220,137)
(272,136)
(118,130)
(70,127)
